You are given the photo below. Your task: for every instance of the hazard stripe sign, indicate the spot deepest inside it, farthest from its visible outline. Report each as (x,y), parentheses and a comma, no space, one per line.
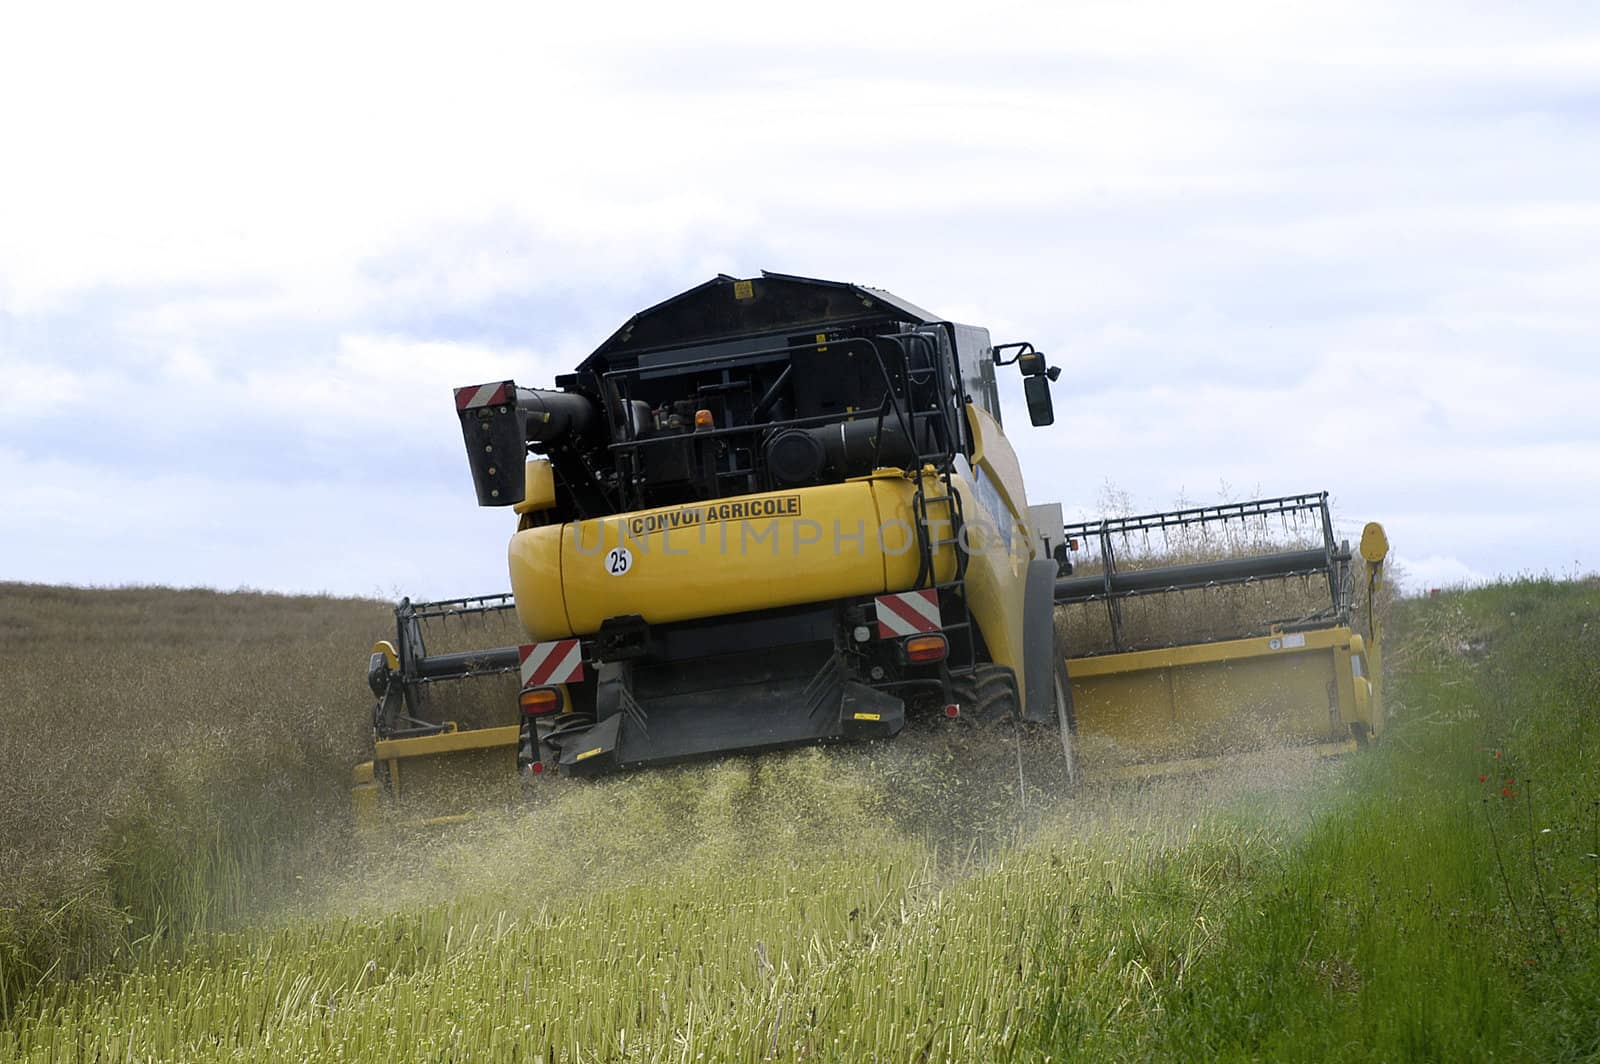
(908,613)
(558,661)
(477,395)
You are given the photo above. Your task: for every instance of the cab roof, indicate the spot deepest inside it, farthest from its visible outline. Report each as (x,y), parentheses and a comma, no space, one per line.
(725,308)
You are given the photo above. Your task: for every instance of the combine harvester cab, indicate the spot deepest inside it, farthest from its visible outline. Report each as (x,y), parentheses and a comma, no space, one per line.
(764,513)
(1202,634)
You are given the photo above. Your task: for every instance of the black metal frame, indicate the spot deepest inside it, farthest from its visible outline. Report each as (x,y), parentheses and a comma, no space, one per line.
(896,402)
(399,711)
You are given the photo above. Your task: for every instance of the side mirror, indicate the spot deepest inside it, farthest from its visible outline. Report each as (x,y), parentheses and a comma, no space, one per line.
(1037,376)
(1041,411)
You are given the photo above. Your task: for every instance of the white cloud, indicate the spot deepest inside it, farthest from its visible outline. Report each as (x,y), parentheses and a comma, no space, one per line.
(1431,571)
(1348,249)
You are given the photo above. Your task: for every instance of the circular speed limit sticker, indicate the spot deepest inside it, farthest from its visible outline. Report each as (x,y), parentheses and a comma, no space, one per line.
(619,560)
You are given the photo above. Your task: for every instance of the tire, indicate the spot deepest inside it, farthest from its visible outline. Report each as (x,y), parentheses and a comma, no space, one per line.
(995,735)
(988,695)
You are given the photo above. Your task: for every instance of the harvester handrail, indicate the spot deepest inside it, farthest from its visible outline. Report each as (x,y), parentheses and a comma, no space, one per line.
(732,430)
(631,442)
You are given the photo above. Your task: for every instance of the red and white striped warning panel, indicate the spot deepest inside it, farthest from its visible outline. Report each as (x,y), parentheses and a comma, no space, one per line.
(476,395)
(558,661)
(908,613)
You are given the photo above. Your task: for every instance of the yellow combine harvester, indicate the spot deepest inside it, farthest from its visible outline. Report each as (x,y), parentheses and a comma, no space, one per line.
(780,511)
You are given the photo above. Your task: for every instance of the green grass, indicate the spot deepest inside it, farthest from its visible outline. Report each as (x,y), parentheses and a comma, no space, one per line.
(1389,906)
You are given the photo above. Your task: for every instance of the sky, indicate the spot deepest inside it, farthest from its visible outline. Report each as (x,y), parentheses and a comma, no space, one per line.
(245,253)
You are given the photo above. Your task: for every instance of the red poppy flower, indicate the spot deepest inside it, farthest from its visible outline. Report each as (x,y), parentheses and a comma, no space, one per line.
(1482,779)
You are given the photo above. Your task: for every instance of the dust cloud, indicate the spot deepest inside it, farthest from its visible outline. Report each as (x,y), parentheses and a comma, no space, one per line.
(955,798)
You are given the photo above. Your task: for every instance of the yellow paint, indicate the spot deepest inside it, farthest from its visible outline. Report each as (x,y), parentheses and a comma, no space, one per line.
(867,716)
(827,542)
(450,742)
(540,491)
(1374,549)
(892,492)
(1201,653)
(419,766)
(996,570)
(391,656)
(535,558)
(364,795)
(1185,704)
(588,754)
(1374,543)
(687,562)
(993,452)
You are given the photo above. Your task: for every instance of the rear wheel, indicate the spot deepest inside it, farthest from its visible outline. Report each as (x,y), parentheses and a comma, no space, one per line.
(1000,743)
(987,695)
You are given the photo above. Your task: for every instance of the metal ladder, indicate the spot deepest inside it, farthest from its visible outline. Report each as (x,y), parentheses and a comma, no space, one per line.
(936,512)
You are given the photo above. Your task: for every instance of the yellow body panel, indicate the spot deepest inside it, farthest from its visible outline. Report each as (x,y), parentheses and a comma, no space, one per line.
(539,492)
(992,499)
(892,493)
(788,548)
(449,742)
(753,552)
(994,455)
(1214,699)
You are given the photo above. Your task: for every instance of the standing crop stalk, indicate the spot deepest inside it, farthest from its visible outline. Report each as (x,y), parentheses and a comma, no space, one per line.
(1594,862)
(1505,880)
(1538,879)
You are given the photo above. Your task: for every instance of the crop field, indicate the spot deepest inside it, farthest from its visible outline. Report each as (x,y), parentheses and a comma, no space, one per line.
(179,880)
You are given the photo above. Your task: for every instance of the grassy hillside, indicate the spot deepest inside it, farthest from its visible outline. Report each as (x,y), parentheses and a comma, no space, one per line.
(1432,899)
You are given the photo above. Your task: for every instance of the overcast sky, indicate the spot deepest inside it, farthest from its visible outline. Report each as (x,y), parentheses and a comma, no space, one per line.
(243,259)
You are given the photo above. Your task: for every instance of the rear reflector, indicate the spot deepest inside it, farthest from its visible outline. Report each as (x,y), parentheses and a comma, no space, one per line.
(539,700)
(921,649)
(952,711)
(476,395)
